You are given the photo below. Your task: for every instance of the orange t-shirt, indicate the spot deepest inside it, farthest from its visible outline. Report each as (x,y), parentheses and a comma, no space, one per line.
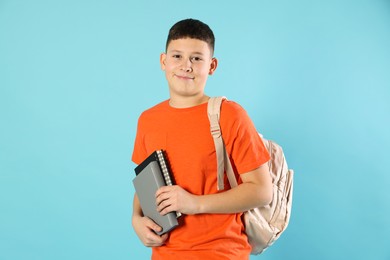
(185,136)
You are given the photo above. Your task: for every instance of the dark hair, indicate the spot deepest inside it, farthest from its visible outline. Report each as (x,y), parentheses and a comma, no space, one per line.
(191,28)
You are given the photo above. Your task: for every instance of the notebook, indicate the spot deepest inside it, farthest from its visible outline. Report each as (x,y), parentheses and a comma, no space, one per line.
(151,174)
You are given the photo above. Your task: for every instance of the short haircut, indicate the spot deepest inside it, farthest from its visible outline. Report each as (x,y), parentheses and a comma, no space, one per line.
(194,29)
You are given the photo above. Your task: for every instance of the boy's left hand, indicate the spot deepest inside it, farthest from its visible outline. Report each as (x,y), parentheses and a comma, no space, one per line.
(175,198)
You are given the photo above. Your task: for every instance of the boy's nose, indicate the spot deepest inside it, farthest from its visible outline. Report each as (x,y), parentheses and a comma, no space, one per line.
(187,66)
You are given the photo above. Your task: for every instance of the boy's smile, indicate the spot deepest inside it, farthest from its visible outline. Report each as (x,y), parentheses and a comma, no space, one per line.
(184,77)
(187,64)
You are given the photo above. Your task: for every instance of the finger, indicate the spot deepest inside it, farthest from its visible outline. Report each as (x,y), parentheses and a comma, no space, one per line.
(152,225)
(163,205)
(158,240)
(160,198)
(156,228)
(151,238)
(154,240)
(164,199)
(164,238)
(162,190)
(166,209)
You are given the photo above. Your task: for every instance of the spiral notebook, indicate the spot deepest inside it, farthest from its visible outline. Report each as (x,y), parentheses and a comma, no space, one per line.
(151,174)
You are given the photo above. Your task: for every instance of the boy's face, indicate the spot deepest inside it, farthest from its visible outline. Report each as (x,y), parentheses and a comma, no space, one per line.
(187,64)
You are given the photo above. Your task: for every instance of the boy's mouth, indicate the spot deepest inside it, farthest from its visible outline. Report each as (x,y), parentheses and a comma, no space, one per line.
(184,77)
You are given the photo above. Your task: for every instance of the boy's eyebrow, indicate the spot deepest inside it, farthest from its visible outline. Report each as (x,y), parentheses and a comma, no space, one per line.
(195,52)
(198,53)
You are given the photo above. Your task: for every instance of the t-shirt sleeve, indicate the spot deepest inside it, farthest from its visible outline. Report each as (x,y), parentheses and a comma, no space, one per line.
(243,143)
(139,151)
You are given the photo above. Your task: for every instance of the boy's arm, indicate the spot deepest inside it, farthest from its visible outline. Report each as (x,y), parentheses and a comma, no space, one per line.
(254,191)
(145,227)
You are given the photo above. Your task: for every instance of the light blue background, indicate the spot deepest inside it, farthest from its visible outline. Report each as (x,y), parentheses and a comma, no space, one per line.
(75,75)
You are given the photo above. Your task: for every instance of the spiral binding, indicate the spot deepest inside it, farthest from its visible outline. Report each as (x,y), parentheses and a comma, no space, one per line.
(165,172)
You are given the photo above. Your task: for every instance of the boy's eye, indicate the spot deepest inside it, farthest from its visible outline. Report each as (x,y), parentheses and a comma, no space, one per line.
(196,59)
(176,56)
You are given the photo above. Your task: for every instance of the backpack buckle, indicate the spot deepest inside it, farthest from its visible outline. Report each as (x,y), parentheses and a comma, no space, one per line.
(215,129)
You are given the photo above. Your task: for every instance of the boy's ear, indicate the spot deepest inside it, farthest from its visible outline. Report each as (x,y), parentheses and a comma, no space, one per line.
(163,56)
(213,66)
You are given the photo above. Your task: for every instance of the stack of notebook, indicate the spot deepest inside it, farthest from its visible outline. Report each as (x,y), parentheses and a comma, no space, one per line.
(152,174)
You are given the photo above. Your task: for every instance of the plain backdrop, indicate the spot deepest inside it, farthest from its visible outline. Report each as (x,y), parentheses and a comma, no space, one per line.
(75,75)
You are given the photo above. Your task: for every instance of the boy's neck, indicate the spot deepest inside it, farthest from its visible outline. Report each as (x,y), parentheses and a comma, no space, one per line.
(187,101)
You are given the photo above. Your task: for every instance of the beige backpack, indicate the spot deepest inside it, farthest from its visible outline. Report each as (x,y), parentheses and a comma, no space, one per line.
(265,224)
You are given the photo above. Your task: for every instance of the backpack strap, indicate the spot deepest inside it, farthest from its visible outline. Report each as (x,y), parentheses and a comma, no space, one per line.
(223,161)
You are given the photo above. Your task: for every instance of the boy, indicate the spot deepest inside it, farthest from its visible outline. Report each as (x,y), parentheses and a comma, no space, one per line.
(211,226)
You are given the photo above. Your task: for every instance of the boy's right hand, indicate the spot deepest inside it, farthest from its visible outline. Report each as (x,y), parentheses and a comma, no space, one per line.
(145,229)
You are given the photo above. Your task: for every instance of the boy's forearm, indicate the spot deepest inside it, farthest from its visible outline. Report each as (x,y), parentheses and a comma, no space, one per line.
(137,211)
(239,199)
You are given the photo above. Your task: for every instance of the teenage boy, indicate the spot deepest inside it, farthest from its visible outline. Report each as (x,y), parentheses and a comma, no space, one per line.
(211,225)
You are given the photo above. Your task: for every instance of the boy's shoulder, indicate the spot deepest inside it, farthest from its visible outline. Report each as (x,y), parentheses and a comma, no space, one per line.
(232,113)
(159,108)
(231,107)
